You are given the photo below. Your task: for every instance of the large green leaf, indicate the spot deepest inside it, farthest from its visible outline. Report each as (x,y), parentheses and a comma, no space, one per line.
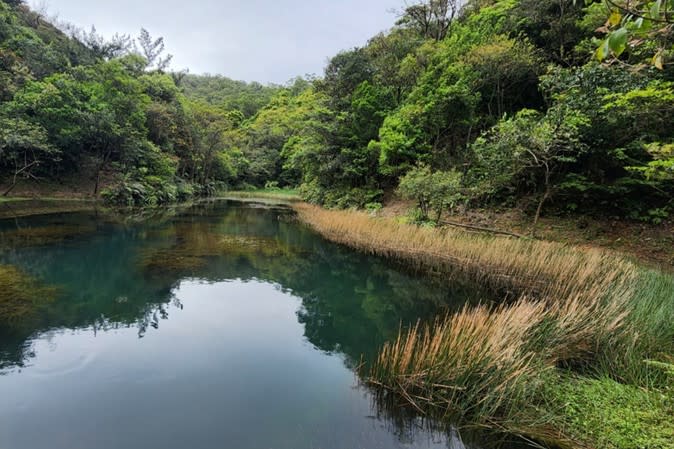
(617,41)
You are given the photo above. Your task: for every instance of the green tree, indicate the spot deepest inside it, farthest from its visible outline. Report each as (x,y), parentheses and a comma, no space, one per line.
(530,149)
(210,159)
(431,19)
(387,53)
(508,71)
(433,191)
(94,114)
(434,125)
(551,25)
(344,73)
(24,150)
(247,98)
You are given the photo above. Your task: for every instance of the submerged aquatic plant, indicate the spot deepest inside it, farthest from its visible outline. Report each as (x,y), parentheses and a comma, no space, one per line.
(194,247)
(21,295)
(41,235)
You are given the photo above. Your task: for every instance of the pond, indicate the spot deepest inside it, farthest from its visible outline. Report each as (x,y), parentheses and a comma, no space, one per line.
(221,324)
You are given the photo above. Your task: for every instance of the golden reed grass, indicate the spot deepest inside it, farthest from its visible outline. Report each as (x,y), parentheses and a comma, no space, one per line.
(487,362)
(543,269)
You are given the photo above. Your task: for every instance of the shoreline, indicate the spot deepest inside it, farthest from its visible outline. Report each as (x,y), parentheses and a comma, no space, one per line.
(598,302)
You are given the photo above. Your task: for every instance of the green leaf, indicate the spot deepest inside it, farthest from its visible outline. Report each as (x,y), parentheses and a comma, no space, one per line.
(644,25)
(602,51)
(617,41)
(657,60)
(615,18)
(655,9)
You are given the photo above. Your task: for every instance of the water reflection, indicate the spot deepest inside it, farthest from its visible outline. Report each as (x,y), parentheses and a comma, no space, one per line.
(113,276)
(223,293)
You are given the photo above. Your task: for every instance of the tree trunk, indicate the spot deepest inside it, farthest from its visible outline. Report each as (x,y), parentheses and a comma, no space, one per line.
(438,216)
(99,169)
(544,198)
(98,181)
(482,229)
(17,172)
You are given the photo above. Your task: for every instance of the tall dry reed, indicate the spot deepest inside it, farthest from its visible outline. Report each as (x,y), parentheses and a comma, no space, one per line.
(489,362)
(535,268)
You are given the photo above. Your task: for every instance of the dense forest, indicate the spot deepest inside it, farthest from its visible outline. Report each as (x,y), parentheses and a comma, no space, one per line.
(548,104)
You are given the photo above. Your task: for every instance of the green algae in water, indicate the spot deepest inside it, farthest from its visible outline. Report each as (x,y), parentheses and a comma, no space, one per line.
(30,207)
(21,295)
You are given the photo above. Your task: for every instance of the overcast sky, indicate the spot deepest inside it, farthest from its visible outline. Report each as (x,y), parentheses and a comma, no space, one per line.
(252,40)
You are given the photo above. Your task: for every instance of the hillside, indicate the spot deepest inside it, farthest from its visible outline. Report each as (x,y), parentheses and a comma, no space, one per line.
(247,98)
(550,107)
(82,115)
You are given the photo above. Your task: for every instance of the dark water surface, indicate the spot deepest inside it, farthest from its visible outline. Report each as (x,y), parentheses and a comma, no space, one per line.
(222,325)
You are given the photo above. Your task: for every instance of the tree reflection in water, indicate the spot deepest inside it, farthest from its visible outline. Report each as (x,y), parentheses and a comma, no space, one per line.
(116,275)
(113,274)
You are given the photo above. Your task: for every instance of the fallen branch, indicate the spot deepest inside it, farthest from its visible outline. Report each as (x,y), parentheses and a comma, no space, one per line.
(483,229)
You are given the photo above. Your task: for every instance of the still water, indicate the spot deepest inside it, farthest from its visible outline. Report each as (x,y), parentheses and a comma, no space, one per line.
(220,325)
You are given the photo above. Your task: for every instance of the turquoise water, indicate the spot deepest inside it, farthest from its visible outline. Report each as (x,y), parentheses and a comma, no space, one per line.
(221,325)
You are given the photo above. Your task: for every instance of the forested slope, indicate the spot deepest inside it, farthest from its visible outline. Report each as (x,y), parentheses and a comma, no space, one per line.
(563,105)
(231,95)
(76,105)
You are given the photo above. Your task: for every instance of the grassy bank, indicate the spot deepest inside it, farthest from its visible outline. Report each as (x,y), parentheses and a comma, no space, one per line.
(572,314)
(285,195)
(543,269)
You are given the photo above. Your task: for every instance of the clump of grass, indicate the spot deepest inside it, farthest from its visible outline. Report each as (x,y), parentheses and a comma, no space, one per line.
(20,295)
(486,363)
(651,323)
(451,364)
